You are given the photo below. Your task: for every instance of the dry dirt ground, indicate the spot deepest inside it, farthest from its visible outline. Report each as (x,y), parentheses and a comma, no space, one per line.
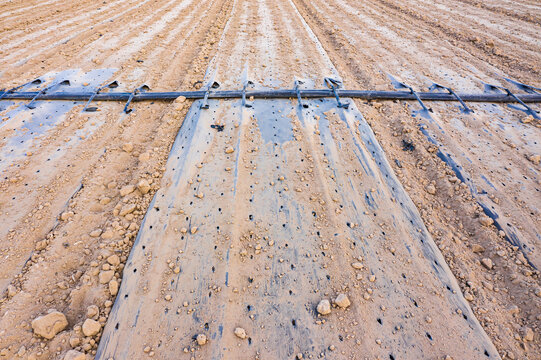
(154,235)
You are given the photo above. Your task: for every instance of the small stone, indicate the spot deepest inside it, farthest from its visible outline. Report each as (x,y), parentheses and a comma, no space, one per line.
(229,150)
(143,186)
(126,190)
(49,325)
(201,339)
(22,351)
(240,332)
(147,349)
(95,233)
(107,234)
(513,309)
(106,276)
(92,311)
(12,291)
(113,260)
(324,307)
(488,285)
(74,355)
(75,341)
(66,215)
(91,327)
(535,158)
(468,296)
(113,287)
(487,263)
(527,119)
(144,157)
(485,220)
(127,209)
(476,248)
(357,265)
(431,189)
(127,147)
(342,301)
(40,245)
(200,195)
(193,230)
(105,200)
(527,333)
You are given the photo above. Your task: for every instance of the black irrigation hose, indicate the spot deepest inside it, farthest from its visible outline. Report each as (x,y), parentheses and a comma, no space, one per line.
(289,93)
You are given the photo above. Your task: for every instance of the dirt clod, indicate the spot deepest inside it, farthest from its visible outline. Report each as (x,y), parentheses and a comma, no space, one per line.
(49,325)
(74,355)
(91,327)
(487,263)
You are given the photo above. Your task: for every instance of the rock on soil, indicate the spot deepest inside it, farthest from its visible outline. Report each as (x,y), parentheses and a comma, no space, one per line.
(113,260)
(49,325)
(487,263)
(91,327)
(485,220)
(74,355)
(143,186)
(201,339)
(92,311)
(113,287)
(342,301)
(106,276)
(127,147)
(240,332)
(476,248)
(324,307)
(126,190)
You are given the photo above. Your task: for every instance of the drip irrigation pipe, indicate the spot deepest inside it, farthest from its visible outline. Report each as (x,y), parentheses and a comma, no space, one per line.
(266,94)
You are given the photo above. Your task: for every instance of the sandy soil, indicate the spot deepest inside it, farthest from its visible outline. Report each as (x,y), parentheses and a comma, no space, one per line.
(253,226)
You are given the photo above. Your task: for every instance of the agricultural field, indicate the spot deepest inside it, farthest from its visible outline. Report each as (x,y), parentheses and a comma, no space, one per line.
(269,228)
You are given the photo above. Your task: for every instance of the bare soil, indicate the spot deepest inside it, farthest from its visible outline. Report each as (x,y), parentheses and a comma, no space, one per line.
(251,227)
